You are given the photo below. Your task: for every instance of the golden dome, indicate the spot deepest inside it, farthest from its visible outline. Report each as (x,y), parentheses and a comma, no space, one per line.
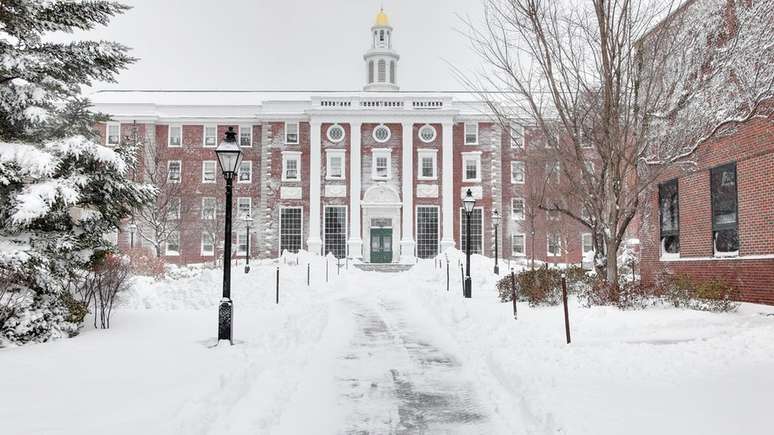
(381,19)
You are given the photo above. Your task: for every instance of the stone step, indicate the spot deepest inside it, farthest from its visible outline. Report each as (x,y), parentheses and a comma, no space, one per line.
(384,267)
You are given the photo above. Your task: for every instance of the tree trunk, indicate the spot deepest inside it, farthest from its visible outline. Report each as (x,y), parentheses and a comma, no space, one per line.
(612,269)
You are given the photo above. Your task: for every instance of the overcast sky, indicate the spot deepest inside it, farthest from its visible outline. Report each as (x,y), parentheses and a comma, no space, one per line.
(286,44)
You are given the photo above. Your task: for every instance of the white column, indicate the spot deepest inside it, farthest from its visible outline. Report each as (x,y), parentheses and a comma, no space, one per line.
(355,242)
(447,194)
(407,192)
(314,243)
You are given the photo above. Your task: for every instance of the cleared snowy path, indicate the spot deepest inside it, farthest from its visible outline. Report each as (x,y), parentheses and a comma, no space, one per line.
(392,373)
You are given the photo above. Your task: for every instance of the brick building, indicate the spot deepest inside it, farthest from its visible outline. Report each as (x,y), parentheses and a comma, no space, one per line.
(378,174)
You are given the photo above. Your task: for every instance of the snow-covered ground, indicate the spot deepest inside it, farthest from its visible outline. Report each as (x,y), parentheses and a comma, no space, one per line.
(389,353)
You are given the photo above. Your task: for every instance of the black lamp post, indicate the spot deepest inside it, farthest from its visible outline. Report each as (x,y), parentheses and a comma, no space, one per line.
(247,219)
(496,223)
(468,202)
(132,229)
(229,157)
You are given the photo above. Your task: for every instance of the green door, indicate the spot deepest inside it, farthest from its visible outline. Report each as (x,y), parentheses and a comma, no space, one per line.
(381,245)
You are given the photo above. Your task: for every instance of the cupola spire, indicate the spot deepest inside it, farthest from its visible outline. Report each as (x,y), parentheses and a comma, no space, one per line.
(381,60)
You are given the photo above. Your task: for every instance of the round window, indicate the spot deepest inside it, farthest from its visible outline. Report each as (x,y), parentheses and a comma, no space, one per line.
(335,133)
(381,133)
(427,133)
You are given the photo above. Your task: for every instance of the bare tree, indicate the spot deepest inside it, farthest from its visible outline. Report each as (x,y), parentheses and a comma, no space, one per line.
(162,219)
(602,80)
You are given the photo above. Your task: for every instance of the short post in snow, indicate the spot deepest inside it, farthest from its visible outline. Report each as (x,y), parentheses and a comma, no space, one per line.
(247,219)
(277,297)
(564,302)
(496,223)
(326,269)
(447,275)
(308,274)
(462,275)
(338,266)
(513,294)
(346,263)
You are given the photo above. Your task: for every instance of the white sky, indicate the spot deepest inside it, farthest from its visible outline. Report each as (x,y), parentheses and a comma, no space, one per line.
(286,44)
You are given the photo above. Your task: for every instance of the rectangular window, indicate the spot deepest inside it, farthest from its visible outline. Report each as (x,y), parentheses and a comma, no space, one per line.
(174,168)
(336,231)
(290,229)
(245,135)
(175,136)
(241,243)
(290,166)
(113,135)
(471,133)
(587,243)
(244,206)
(208,245)
(554,248)
(517,209)
(669,216)
(427,231)
(210,136)
(173,208)
(552,215)
(552,171)
(518,172)
(291,133)
(172,246)
(381,165)
(725,218)
(334,165)
(208,171)
(427,164)
(209,208)
(476,231)
(245,172)
(517,245)
(471,164)
(517,136)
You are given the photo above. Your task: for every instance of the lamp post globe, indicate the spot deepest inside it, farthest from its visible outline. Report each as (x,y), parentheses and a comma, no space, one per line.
(229,157)
(496,223)
(468,203)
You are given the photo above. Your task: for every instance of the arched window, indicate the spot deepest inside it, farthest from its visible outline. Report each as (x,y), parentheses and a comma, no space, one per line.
(392,72)
(381,36)
(382,70)
(370,71)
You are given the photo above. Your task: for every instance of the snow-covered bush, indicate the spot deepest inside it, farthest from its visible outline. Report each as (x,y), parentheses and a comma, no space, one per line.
(684,291)
(540,286)
(144,262)
(61,191)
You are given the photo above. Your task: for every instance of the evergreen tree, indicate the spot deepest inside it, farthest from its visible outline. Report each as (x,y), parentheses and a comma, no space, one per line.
(61,191)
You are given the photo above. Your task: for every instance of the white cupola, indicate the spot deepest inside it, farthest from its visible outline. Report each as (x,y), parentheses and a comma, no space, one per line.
(381,60)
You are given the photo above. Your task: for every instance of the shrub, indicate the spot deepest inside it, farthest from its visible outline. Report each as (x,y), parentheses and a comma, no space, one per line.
(143,262)
(627,296)
(682,290)
(540,286)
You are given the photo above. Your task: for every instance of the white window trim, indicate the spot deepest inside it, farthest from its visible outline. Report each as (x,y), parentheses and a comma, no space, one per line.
(331,127)
(250,165)
(381,152)
(524,172)
(215,171)
(207,253)
(465,133)
(421,153)
(248,128)
(439,223)
(340,153)
(523,245)
(107,133)
(425,127)
(346,223)
(477,156)
(179,206)
(389,133)
(523,209)
(584,235)
(296,155)
(483,227)
(298,133)
(169,135)
(204,135)
(279,228)
(517,128)
(214,210)
(167,252)
(548,244)
(249,206)
(169,164)
(243,235)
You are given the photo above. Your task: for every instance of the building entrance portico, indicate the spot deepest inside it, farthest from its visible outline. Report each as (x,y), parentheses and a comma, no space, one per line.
(381,224)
